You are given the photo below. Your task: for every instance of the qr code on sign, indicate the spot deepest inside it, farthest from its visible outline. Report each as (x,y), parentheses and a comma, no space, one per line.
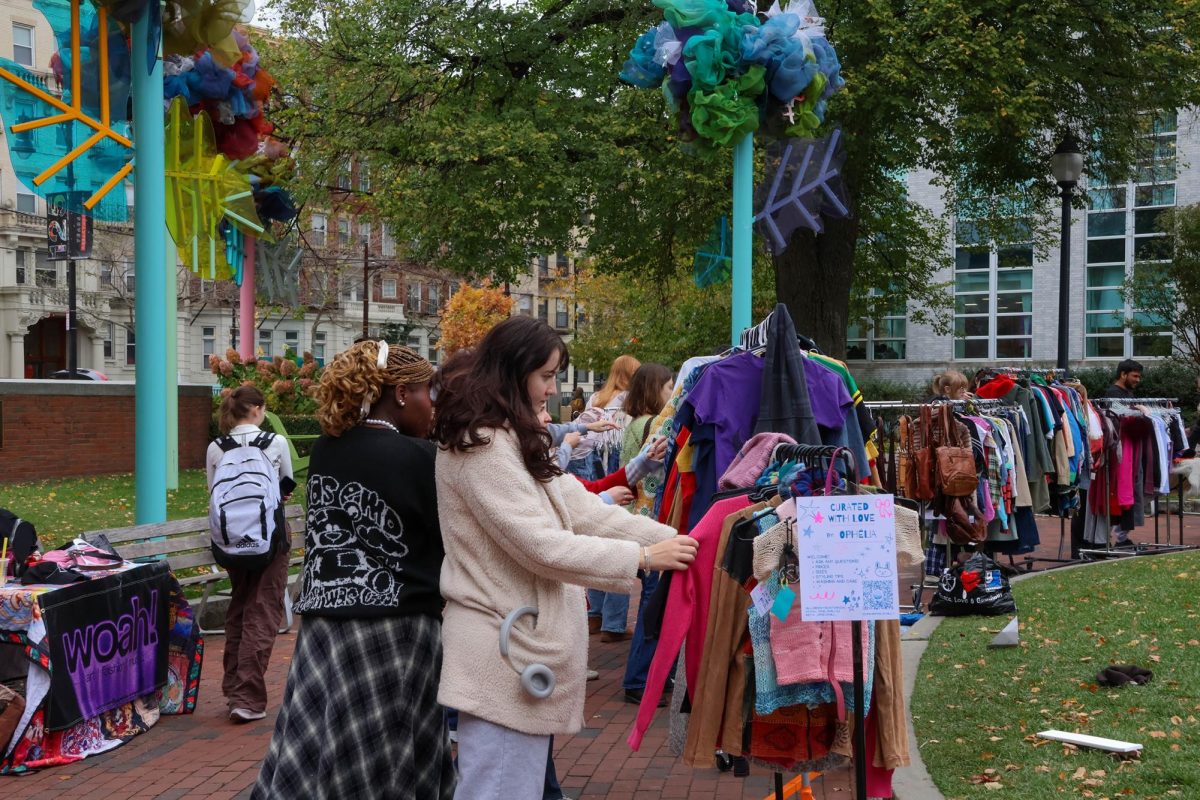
(879,595)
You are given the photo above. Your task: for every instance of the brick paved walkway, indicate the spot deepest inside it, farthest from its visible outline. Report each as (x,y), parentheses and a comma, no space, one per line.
(206,756)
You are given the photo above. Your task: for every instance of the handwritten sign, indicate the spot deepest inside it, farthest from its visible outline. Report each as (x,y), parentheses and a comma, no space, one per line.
(847,550)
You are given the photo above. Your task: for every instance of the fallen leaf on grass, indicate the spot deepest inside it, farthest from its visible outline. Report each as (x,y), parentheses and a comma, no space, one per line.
(1158,734)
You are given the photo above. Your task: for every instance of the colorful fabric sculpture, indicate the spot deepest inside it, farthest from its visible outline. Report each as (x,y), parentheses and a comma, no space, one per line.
(806,184)
(725,72)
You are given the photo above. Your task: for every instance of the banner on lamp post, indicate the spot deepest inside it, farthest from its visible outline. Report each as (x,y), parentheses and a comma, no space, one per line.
(68,233)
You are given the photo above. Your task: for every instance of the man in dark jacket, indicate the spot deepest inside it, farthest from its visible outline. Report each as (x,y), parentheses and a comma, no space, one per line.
(1129,377)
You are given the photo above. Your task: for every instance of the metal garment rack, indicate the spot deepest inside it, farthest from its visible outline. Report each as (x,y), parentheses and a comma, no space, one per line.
(1108,551)
(802,452)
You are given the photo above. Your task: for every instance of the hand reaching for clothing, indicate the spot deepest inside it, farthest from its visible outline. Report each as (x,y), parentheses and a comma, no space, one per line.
(658,449)
(601,426)
(620,495)
(676,553)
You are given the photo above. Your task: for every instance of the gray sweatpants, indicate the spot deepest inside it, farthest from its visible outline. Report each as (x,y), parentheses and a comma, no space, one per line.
(498,763)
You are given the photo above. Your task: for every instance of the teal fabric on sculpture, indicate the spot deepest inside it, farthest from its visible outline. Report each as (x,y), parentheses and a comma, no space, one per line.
(707,59)
(640,69)
(731,111)
(692,13)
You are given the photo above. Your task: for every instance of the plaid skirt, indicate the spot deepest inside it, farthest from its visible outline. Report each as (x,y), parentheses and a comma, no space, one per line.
(360,717)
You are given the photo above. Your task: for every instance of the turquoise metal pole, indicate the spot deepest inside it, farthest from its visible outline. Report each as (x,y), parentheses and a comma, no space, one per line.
(172,333)
(150,227)
(743,232)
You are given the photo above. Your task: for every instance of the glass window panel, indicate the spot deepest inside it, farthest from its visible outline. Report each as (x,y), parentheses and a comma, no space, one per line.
(972,304)
(1020,256)
(1014,302)
(1165,122)
(1147,221)
(972,282)
(1152,248)
(856,331)
(892,329)
(1106,347)
(1146,318)
(1013,348)
(966,232)
(1102,199)
(1105,300)
(972,259)
(1102,251)
(1159,172)
(1008,280)
(1155,195)
(1154,346)
(1105,323)
(971,326)
(856,351)
(890,350)
(1106,276)
(1164,148)
(1014,326)
(971,348)
(1111,223)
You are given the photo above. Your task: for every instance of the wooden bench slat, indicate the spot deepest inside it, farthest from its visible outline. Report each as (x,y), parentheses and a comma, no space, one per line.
(293,513)
(178,544)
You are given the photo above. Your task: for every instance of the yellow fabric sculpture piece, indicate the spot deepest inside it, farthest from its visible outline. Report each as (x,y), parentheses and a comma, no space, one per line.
(204,188)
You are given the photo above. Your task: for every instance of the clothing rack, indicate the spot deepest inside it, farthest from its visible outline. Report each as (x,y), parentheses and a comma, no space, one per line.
(808,452)
(976,404)
(1171,405)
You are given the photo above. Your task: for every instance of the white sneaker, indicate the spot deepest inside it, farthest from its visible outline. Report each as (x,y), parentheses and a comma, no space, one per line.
(246,715)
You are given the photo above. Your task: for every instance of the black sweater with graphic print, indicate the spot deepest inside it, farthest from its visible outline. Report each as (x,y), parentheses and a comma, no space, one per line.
(373,546)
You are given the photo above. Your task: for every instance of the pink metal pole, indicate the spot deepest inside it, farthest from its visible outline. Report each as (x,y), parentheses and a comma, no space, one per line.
(247,336)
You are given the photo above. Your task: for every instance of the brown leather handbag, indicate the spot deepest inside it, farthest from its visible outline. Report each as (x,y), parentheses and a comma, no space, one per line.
(925,459)
(956,475)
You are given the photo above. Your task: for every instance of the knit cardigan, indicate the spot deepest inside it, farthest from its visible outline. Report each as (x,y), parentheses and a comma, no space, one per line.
(513,541)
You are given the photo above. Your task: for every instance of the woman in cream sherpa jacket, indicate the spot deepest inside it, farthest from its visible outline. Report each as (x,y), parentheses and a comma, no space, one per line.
(513,541)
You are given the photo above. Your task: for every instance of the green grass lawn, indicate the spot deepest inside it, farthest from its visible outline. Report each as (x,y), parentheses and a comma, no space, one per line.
(64,507)
(976,710)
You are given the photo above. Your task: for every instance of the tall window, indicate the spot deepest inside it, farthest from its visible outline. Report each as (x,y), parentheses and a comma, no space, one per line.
(561,317)
(343,232)
(388,244)
(525,305)
(993,297)
(543,266)
(22,44)
(318,350)
(130,348)
(364,233)
(45,270)
(544,310)
(109,332)
(389,289)
(1123,239)
(414,343)
(412,302)
(22,265)
(343,176)
(364,177)
(561,264)
(23,111)
(26,202)
(435,299)
(208,345)
(291,343)
(433,351)
(265,338)
(886,340)
(320,225)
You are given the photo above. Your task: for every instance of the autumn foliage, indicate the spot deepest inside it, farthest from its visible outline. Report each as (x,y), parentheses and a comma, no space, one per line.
(470,314)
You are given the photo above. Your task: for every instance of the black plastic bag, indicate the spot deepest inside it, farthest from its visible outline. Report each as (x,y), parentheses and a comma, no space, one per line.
(976,588)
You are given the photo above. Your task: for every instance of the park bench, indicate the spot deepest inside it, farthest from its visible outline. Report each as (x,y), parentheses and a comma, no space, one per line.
(184,543)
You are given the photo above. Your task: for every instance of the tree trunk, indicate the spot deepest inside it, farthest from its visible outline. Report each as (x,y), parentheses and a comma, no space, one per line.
(813,279)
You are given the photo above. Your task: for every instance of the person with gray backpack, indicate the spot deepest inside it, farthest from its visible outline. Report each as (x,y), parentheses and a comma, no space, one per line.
(249,480)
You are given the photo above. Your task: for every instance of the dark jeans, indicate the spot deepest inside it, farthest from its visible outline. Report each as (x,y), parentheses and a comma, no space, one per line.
(251,625)
(641,650)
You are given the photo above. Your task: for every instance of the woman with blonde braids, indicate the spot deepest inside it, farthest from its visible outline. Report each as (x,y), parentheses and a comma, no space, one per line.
(360,716)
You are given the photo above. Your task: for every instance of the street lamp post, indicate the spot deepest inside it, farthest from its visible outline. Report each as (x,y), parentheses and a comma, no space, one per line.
(1067,167)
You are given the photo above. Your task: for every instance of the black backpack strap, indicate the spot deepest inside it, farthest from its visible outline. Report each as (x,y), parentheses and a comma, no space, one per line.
(263,440)
(227,443)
